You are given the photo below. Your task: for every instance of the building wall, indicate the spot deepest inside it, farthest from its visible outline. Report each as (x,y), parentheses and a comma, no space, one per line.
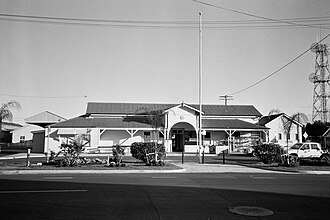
(25,131)
(122,137)
(177,115)
(277,133)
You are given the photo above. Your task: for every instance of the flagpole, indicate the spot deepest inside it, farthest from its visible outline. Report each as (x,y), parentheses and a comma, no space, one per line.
(200,88)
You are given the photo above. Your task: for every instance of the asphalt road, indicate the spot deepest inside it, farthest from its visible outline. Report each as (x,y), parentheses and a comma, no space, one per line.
(163,196)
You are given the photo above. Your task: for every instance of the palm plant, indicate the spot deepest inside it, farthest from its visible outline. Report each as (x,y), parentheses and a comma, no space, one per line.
(155,118)
(6,111)
(287,122)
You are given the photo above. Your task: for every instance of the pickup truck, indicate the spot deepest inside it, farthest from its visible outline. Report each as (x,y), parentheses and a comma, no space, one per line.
(309,150)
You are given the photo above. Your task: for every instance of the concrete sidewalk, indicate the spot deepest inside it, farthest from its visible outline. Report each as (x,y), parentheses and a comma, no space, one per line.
(21,156)
(187,167)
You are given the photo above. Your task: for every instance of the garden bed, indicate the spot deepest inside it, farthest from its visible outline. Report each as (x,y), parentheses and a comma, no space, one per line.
(20,164)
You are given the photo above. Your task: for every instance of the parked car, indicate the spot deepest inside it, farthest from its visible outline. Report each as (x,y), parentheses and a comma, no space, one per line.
(296,146)
(309,150)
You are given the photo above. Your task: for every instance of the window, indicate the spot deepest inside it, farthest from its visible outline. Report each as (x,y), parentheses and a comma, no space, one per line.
(21,139)
(305,147)
(314,147)
(279,136)
(147,136)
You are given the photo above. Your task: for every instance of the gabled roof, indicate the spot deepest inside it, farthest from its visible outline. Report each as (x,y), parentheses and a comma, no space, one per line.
(208,110)
(266,119)
(44,118)
(90,122)
(230,124)
(9,126)
(123,108)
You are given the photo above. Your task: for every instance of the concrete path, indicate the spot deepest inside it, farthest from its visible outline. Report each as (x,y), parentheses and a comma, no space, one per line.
(20,156)
(187,167)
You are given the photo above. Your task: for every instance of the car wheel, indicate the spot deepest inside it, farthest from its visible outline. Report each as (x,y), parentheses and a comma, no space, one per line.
(325,158)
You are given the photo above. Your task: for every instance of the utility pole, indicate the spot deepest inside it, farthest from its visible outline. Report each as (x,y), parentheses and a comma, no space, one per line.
(226,98)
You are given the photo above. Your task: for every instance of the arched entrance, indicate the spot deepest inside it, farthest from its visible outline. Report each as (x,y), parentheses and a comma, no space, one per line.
(182,134)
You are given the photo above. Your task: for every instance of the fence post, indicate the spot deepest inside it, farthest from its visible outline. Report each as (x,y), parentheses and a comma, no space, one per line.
(28,157)
(223,157)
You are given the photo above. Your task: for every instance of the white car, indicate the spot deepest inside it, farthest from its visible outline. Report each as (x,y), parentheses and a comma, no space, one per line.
(309,150)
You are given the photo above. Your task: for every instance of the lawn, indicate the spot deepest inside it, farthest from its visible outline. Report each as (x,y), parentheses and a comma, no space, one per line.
(130,164)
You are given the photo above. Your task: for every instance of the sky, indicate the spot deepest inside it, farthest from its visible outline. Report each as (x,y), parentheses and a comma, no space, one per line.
(59,55)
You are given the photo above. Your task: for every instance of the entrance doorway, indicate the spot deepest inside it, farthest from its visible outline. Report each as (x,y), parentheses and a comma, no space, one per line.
(178,140)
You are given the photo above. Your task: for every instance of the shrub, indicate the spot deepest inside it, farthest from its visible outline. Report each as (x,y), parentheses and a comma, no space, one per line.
(71,151)
(118,153)
(268,153)
(140,150)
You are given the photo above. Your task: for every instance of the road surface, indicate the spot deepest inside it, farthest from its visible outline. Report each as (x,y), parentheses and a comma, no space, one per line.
(163,196)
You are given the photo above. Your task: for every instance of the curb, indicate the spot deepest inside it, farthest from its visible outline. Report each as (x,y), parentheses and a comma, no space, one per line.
(22,172)
(290,171)
(315,172)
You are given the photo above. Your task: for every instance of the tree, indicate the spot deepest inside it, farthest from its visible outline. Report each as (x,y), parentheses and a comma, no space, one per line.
(316,130)
(6,111)
(155,118)
(288,121)
(287,124)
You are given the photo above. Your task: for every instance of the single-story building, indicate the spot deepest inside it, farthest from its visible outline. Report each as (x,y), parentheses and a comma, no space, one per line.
(277,132)
(177,125)
(6,129)
(33,133)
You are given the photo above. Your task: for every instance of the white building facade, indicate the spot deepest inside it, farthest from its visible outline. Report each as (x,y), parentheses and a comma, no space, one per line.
(109,124)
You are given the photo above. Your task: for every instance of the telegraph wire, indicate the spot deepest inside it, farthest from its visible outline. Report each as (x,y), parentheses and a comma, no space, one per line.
(238,24)
(42,97)
(278,70)
(258,16)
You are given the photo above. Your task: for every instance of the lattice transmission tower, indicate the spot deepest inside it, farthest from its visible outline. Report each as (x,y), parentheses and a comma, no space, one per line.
(321,80)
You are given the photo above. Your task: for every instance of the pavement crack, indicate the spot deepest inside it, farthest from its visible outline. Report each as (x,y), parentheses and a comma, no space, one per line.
(153,205)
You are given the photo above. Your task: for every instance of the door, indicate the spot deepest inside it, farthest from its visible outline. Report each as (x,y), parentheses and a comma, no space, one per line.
(304,151)
(178,140)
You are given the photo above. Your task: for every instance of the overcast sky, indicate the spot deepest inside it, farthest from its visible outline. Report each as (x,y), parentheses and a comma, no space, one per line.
(147,51)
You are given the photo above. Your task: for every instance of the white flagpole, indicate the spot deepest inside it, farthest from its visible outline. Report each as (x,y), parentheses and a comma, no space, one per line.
(200,89)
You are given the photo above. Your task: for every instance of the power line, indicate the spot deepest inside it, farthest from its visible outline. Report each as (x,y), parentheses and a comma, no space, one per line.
(226,98)
(258,16)
(42,97)
(278,70)
(238,24)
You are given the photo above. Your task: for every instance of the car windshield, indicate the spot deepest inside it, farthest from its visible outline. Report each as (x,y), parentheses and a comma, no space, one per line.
(296,146)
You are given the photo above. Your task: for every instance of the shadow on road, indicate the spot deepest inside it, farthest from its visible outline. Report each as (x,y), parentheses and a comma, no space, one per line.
(61,199)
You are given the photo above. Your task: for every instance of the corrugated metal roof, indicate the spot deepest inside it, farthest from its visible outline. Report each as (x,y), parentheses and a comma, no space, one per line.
(209,110)
(83,122)
(123,108)
(266,119)
(229,124)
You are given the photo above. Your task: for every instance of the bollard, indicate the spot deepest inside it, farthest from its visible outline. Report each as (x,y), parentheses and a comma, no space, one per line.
(223,157)
(203,157)
(182,156)
(28,157)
